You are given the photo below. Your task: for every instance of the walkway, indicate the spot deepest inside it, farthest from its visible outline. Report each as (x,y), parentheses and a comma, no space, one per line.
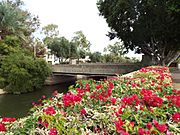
(176,78)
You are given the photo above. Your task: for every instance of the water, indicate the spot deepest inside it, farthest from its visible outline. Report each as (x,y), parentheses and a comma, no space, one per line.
(19,105)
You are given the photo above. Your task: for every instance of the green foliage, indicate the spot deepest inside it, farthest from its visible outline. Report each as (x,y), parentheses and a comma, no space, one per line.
(144,104)
(81,41)
(62,48)
(116,49)
(150,27)
(82,44)
(9,45)
(50,31)
(73,50)
(115,59)
(29,123)
(95,57)
(20,73)
(14,20)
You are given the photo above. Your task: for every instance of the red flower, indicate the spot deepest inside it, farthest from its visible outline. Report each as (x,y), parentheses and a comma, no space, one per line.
(149,125)
(132,100)
(131,124)
(70,99)
(142,131)
(113,100)
(176,117)
(123,132)
(177,92)
(134,85)
(2,127)
(53,131)
(155,122)
(175,99)
(98,86)
(118,124)
(83,111)
(43,96)
(161,127)
(111,86)
(49,110)
(8,119)
(151,99)
(142,80)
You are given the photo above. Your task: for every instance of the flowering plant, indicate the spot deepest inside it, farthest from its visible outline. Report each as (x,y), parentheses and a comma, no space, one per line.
(143,104)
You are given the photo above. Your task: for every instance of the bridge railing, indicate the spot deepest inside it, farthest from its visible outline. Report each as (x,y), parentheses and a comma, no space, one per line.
(108,69)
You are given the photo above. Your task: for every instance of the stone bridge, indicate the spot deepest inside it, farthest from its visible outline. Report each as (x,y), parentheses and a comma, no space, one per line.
(94,69)
(65,73)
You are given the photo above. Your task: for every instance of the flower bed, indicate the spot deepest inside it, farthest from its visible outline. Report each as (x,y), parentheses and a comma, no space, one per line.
(144,104)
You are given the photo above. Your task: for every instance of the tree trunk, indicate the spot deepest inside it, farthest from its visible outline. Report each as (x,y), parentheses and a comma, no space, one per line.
(169,58)
(176,56)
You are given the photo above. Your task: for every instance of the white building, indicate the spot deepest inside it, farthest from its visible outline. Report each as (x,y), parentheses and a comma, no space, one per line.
(51,58)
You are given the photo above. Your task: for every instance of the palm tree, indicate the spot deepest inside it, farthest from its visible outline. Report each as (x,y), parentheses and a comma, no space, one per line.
(15,21)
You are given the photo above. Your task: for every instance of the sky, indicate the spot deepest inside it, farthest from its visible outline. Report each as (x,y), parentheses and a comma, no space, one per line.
(72,16)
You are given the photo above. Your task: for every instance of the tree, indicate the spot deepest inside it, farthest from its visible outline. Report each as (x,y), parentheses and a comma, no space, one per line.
(17,67)
(10,44)
(50,31)
(16,21)
(60,47)
(146,26)
(95,57)
(16,58)
(73,50)
(83,45)
(117,49)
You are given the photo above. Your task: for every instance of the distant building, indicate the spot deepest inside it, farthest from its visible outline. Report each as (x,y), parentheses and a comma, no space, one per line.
(51,58)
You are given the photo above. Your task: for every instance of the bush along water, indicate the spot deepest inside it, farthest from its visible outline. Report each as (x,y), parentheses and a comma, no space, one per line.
(145,104)
(20,73)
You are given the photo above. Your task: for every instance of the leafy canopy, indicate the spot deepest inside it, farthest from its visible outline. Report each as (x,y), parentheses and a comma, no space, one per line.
(116,49)
(17,67)
(19,71)
(146,26)
(16,21)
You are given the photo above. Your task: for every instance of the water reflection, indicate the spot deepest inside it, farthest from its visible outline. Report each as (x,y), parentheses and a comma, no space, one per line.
(19,105)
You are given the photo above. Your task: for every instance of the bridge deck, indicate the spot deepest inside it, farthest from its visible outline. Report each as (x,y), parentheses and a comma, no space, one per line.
(94,69)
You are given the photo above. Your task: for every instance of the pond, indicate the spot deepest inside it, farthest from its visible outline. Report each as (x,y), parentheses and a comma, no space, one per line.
(19,105)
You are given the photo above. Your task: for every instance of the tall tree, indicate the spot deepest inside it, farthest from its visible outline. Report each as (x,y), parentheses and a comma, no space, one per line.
(60,47)
(50,31)
(16,61)
(16,21)
(147,26)
(83,45)
(95,57)
(81,41)
(73,50)
(117,49)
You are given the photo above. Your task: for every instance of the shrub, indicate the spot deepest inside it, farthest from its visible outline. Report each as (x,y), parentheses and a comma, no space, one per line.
(20,73)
